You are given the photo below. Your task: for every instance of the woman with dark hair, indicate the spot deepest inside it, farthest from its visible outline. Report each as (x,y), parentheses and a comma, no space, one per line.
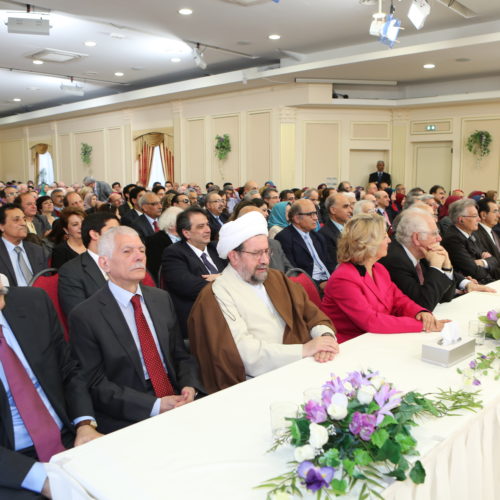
(45,206)
(68,241)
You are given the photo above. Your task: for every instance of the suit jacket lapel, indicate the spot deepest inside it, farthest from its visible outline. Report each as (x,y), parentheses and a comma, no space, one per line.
(376,290)
(4,256)
(112,314)
(91,268)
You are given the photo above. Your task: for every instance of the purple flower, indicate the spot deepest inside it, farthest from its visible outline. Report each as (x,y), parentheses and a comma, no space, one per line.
(330,388)
(472,365)
(492,316)
(315,412)
(363,424)
(387,399)
(476,382)
(357,379)
(315,478)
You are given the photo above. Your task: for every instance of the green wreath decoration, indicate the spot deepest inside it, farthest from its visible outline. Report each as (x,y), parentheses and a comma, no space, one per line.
(85,153)
(478,143)
(222,146)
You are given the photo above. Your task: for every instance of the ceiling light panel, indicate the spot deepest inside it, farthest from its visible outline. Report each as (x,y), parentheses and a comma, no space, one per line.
(57,56)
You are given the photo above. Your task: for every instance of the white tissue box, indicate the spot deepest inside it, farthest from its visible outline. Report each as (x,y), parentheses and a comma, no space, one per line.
(447,355)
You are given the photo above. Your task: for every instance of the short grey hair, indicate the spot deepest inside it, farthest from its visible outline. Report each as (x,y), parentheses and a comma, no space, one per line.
(331,201)
(309,192)
(426,197)
(168,219)
(88,180)
(359,207)
(413,220)
(107,241)
(144,198)
(252,192)
(457,208)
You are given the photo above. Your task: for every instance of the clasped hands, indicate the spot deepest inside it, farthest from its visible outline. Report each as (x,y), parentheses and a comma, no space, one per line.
(430,323)
(170,402)
(323,349)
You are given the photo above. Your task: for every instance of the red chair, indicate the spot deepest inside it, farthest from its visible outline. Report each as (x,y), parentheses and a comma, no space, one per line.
(301,277)
(50,284)
(148,280)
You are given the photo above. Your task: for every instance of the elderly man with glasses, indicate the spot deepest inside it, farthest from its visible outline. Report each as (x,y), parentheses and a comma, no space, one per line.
(147,223)
(215,205)
(252,319)
(303,246)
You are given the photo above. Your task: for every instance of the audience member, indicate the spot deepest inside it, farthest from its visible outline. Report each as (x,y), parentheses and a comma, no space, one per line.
(216,217)
(45,207)
(271,196)
(101,189)
(147,223)
(380,176)
(278,218)
(287,195)
(129,216)
(70,245)
(487,239)
(57,196)
(364,207)
(37,224)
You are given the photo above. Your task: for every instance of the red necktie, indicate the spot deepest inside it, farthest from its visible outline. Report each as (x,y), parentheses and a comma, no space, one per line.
(159,377)
(156,227)
(42,428)
(420,273)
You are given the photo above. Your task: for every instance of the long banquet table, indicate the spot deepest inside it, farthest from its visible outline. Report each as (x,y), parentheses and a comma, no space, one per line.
(215,447)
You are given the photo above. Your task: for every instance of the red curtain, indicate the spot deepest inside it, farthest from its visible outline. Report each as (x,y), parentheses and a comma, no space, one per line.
(144,148)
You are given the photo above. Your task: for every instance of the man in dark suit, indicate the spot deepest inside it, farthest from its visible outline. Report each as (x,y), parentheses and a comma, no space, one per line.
(465,253)
(380,176)
(128,341)
(216,217)
(487,239)
(41,389)
(303,246)
(81,277)
(19,260)
(147,223)
(36,223)
(128,215)
(187,266)
(339,210)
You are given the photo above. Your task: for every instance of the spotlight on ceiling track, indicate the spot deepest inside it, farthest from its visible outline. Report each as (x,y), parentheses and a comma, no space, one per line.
(419,10)
(198,57)
(73,88)
(28,26)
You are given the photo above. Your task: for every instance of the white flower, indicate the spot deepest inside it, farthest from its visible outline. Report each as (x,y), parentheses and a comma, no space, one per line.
(365,394)
(338,406)
(348,387)
(318,435)
(377,382)
(305,452)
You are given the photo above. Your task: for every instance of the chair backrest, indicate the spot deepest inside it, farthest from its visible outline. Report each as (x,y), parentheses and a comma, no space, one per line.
(50,285)
(301,277)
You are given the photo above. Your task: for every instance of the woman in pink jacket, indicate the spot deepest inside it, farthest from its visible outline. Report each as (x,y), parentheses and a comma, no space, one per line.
(360,296)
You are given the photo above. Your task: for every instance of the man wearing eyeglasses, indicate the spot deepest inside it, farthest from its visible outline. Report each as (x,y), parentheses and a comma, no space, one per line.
(420,266)
(252,319)
(303,246)
(216,218)
(147,223)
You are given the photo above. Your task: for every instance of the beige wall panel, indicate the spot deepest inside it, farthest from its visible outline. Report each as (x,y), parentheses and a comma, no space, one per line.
(432,164)
(370,130)
(259,147)
(12,157)
(96,167)
(64,164)
(321,152)
(482,175)
(397,164)
(362,163)
(442,127)
(287,155)
(227,170)
(115,160)
(195,151)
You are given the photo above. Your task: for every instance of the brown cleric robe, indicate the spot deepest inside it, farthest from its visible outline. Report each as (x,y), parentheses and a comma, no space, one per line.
(211,340)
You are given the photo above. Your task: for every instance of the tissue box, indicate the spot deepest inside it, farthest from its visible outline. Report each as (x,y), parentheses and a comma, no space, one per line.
(447,355)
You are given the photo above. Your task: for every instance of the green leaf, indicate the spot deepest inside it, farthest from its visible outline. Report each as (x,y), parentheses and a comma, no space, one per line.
(405,441)
(299,430)
(372,407)
(339,486)
(398,473)
(362,457)
(388,420)
(348,466)
(417,473)
(330,458)
(390,451)
(379,437)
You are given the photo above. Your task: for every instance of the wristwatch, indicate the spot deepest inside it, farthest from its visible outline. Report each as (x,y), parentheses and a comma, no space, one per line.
(92,423)
(329,334)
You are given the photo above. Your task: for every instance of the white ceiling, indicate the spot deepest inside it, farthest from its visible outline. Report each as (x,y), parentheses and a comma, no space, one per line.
(330,36)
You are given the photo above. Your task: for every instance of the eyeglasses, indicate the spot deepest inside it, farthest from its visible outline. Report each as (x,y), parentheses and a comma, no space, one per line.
(472,216)
(183,201)
(432,233)
(153,203)
(309,214)
(258,254)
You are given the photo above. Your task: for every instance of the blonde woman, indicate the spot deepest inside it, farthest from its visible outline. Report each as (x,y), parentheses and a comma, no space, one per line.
(360,296)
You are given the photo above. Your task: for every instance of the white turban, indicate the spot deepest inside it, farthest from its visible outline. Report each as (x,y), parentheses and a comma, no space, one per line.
(234,233)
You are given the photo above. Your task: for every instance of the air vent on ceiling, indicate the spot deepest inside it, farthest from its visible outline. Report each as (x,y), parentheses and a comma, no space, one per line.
(246,3)
(58,56)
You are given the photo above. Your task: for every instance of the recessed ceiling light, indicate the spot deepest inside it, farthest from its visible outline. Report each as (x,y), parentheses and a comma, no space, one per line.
(119,73)
(137,68)
(117,36)
(90,43)
(16,99)
(429,66)
(90,73)
(175,59)
(185,12)
(274,37)
(37,61)
(462,59)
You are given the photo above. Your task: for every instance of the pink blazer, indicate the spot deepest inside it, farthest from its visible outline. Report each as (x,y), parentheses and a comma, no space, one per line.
(358,304)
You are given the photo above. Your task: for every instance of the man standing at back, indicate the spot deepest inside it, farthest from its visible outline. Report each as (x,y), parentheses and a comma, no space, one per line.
(380,176)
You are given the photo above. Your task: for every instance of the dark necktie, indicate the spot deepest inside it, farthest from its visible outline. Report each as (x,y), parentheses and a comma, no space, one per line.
(39,423)
(156,227)
(206,262)
(22,264)
(157,374)
(496,239)
(379,176)
(420,273)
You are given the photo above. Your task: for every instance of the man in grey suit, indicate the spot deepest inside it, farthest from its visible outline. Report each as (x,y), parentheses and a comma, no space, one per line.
(19,259)
(128,341)
(81,277)
(101,189)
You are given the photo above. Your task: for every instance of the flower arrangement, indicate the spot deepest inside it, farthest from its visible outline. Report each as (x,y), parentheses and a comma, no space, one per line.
(359,431)
(492,321)
(85,153)
(222,146)
(479,142)
(481,366)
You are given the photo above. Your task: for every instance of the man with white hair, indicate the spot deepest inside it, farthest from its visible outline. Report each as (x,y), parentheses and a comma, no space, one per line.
(147,223)
(101,189)
(252,319)
(127,339)
(364,206)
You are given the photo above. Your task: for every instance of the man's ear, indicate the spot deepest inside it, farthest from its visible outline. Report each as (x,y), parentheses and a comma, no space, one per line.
(104,263)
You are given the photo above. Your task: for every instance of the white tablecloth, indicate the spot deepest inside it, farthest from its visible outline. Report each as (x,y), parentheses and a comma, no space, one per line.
(215,448)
